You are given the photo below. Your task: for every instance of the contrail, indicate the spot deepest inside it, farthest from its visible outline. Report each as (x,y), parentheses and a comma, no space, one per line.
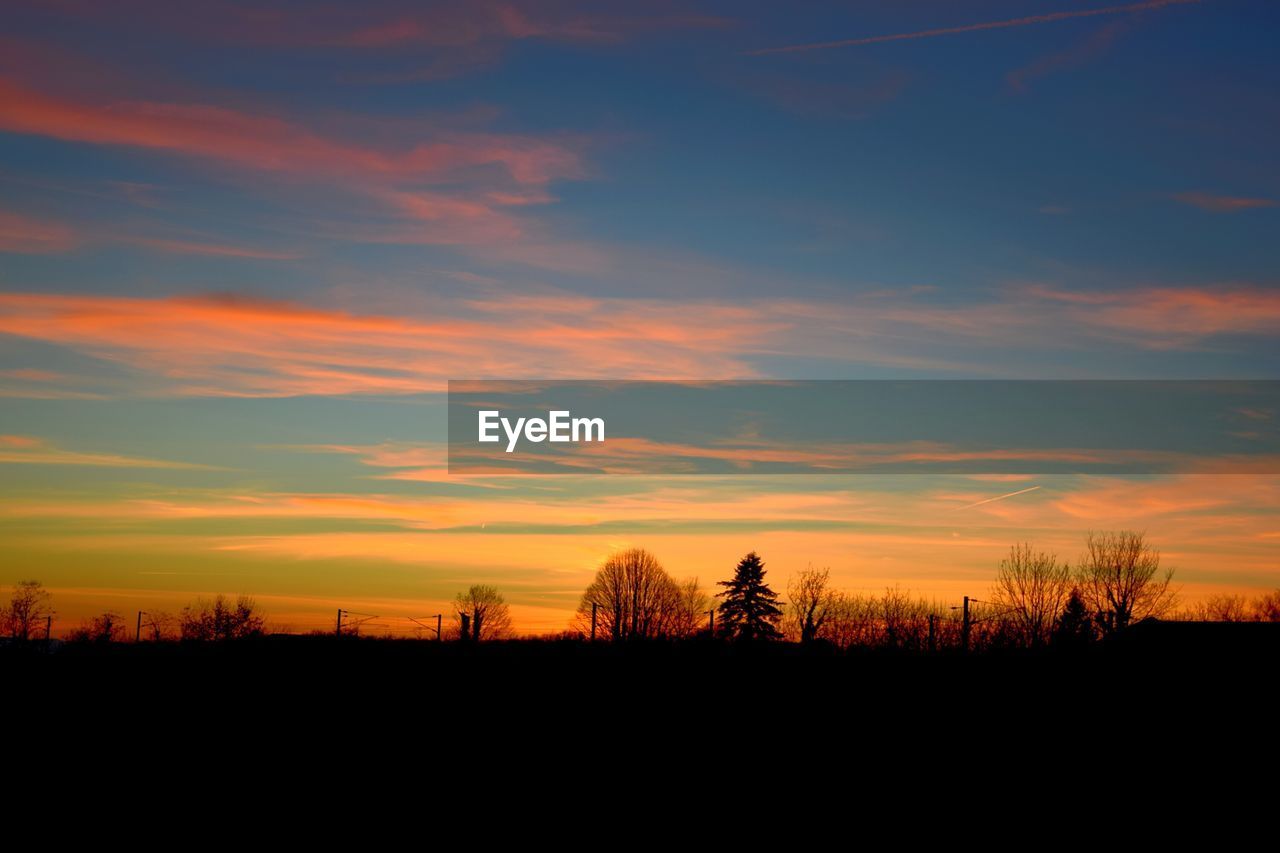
(1047,18)
(996,498)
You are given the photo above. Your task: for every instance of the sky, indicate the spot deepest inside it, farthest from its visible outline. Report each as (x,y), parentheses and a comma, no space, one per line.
(244,247)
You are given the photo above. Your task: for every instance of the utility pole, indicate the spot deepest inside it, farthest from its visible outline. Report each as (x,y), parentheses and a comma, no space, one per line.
(711,623)
(964,627)
(338,630)
(933,641)
(48,629)
(438,628)
(593,621)
(137,634)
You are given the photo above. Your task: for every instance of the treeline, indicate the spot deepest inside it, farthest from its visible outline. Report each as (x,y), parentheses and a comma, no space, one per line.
(1037,600)
(479,613)
(1235,608)
(28,616)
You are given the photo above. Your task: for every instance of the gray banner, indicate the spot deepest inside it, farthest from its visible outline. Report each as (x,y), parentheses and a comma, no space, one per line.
(864,427)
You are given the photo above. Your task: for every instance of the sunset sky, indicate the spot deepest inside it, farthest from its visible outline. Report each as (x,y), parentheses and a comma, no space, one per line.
(243,247)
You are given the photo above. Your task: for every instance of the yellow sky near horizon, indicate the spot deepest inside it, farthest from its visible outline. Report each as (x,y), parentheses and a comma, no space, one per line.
(938,540)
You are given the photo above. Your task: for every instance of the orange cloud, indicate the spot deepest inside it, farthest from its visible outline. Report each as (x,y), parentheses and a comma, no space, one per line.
(28,450)
(439,219)
(1222,203)
(231,345)
(271,144)
(625,454)
(1149,501)
(480,180)
(1218,532)
(390,25)
(192,247)
(1166,317)
(227,345)
(23,234)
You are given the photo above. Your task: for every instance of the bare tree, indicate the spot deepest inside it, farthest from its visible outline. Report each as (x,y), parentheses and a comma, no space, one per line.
(904,620)
(28,607)
(488,616)
(221,620)
(899,620)
(691,608)
(635,598)
(105,628)
(1225,608)
(159,626)
(810,603)
(1266,608)
(852,620)
(1031,588)
(1121,580)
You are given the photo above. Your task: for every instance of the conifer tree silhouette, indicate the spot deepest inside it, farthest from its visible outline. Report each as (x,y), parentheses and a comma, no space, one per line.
(750,610)
(1074,627)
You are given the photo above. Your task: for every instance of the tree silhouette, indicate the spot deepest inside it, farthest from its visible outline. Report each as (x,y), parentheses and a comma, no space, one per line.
(750,610)
(1266,608)
(1121,582)
(103,629)
(211,621)
(1074,628)
(1032,587)
(692,604)
(1225,608)
(159,626)
(27,608)
(636,599)
(488,617)
(811,604)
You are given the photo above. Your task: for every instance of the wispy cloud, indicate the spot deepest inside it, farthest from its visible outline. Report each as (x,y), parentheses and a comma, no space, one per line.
(1170,317)
(23,234)
(230,345)
(1222,203)
(1217,531)
(29,450)
(390,24)
(377,180)
(218,250)
(268,143)
(1030,20)
(28,235)
(872,533)
(1097,43)
(379,40)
